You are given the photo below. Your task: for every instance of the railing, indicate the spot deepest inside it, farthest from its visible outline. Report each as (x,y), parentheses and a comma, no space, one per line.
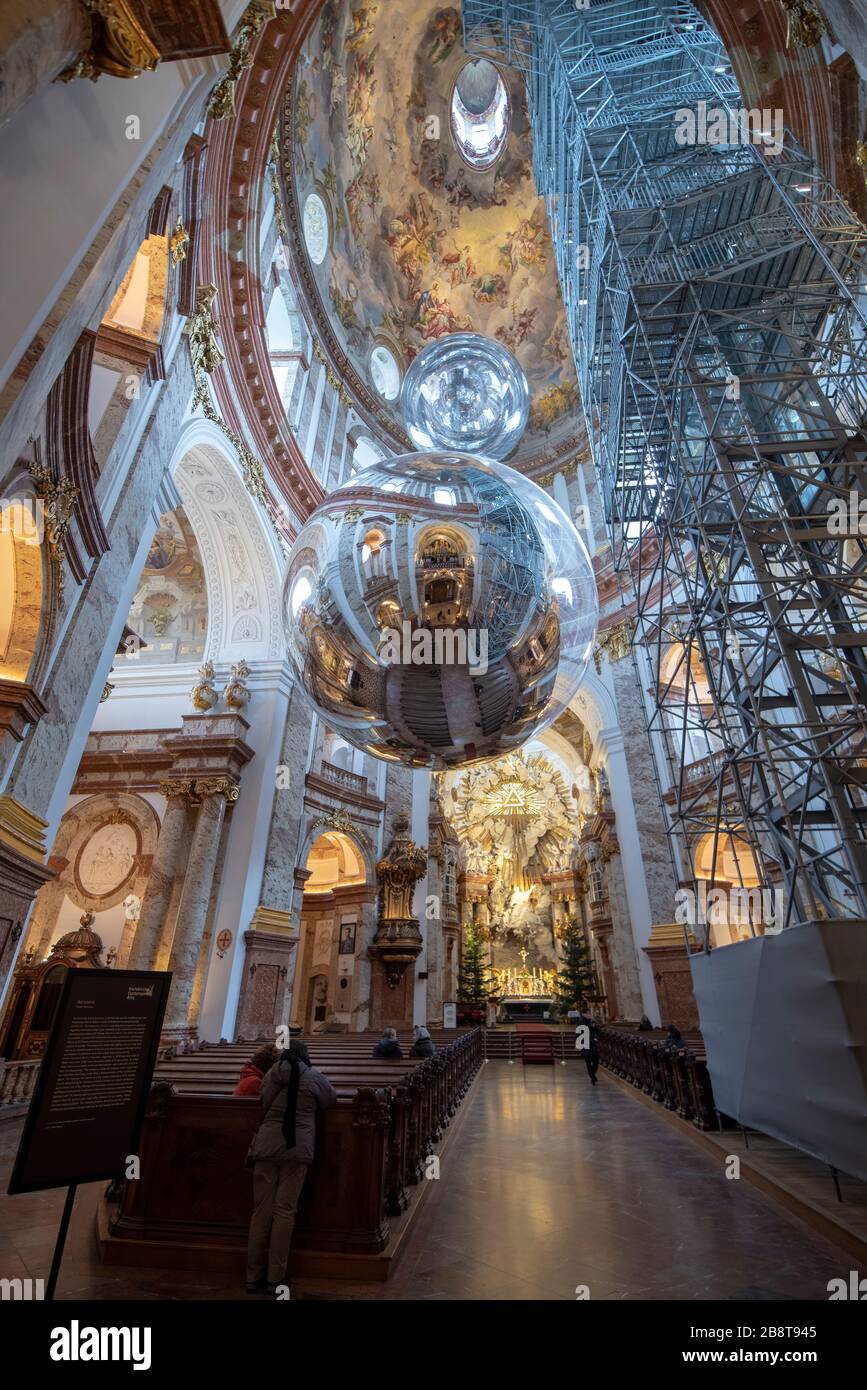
(351,780)
(17,1080)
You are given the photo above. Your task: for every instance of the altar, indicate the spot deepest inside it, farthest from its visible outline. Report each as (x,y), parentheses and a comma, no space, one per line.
(525,995)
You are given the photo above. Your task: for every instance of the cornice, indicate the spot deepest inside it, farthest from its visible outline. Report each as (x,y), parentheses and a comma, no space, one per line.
(238,152)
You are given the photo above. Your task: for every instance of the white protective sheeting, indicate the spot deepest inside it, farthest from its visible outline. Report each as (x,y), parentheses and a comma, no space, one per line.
(784,1019)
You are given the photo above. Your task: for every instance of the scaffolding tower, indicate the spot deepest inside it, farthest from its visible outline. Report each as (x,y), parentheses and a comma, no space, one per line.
(713,282)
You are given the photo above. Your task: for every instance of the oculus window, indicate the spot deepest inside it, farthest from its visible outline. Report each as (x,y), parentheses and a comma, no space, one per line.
(480,114)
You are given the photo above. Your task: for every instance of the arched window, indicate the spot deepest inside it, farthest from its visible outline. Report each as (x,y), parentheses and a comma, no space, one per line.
(301,591)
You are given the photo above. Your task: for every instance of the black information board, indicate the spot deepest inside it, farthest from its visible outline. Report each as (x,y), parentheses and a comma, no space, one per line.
(89,1103)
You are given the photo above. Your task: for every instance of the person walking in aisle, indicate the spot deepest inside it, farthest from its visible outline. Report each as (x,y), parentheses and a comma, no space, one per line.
(587,1043)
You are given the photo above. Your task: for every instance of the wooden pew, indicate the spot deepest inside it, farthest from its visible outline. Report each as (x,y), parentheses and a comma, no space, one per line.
(191,1206)
(676,1078)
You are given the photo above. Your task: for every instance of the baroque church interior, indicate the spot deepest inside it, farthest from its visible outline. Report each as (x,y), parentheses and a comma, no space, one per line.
(433,591)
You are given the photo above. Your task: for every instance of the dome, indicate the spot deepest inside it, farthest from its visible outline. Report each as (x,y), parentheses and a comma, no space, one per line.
(82,945)
(425,161)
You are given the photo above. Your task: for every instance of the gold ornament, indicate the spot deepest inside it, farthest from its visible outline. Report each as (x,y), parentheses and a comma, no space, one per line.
(201,329)
(805,25)
(236,694)
(58,499)
(615,641)
(221,104)
(203,695)
(119,46)
(216,786)
(180,240)
(173,787)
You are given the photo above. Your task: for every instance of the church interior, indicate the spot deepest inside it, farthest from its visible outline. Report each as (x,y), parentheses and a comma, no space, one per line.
(433,608)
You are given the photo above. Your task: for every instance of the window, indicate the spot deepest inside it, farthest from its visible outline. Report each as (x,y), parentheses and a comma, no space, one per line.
(596,885)
(316,228)
(385,373)
(444,496)
(480,115)
(301,591)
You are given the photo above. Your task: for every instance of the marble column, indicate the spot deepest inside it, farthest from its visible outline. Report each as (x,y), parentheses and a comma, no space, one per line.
(623,953)
(362,974)
(38,40)
(173,837)
(204,956)
(43,918)
(193,906)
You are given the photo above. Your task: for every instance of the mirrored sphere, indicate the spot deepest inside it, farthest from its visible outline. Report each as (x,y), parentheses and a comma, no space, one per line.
(465,392)
(439,609)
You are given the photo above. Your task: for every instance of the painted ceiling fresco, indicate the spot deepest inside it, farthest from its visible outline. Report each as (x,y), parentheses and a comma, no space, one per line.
(421,244)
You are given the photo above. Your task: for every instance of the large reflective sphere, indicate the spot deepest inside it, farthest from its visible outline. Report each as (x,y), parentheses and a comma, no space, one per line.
(439,609)
(465,392)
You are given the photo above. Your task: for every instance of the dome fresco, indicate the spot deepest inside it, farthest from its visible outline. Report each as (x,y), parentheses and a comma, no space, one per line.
(423,245)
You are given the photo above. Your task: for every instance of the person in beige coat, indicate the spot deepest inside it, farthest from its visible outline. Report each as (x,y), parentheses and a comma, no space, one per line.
(282,1151)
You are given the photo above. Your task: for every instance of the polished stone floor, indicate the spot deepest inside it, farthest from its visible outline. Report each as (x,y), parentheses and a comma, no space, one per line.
(547,1184)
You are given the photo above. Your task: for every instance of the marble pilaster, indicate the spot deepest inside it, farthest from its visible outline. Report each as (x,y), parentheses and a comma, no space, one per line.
(173,839)
(43,918)
(193,910)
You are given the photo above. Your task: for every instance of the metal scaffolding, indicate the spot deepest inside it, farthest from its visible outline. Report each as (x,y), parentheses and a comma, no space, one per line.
(713,281)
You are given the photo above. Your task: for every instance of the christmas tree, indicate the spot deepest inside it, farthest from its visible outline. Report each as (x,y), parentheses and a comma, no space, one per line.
(575,977)
(474,983)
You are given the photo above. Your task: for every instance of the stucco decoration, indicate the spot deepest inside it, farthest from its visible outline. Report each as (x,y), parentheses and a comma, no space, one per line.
(107,859)
(424,245)
(169,613)
(514,817)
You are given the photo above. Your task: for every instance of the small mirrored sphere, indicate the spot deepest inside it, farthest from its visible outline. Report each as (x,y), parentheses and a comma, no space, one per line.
(465,392)
(439,609)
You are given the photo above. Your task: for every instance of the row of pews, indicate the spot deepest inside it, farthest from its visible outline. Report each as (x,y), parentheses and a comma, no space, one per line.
(191,1206)
(675,1077)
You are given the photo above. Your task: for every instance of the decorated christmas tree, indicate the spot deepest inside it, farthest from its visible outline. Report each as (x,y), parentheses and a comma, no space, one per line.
(575,977)
(474,982)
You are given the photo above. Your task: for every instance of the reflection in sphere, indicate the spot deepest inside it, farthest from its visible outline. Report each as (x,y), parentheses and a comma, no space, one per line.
(439,609)
(465,392)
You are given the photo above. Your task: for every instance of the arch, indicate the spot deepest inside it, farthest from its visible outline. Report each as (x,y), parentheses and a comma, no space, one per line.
(334,861)
(240,553)
(21,588)
(243,589)
(595,707)
(735,861)
(359,841)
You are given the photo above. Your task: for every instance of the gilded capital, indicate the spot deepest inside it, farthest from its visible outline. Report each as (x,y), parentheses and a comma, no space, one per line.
(216,786)
(173,787)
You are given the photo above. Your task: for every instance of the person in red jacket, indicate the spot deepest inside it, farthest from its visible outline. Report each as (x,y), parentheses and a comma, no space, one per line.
(253,1072)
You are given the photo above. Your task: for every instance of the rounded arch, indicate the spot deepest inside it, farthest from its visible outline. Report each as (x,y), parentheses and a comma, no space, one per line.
(360,844)
(334,861)
(27,583)
(21,590)
(595,707)
(240,552)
